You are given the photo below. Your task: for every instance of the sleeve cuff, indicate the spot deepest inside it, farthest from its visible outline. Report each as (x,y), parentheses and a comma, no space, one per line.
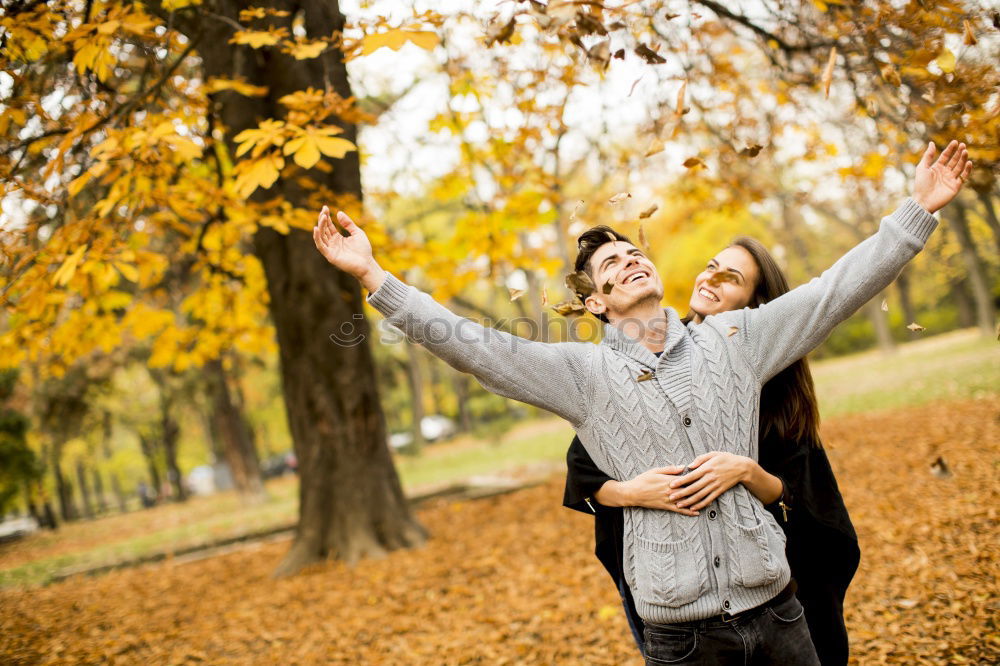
(389,297)
(914,219)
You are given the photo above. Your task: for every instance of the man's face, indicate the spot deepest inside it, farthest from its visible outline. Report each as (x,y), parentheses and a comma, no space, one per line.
(628,273)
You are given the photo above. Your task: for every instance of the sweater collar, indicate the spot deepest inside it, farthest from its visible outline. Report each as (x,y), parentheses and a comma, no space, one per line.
(620,341)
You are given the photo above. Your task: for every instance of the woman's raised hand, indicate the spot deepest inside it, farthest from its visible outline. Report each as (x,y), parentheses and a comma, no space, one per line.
(351,254)
(937,182)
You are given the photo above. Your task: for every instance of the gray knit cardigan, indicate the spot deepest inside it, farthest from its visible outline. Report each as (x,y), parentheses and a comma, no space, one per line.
(703,396)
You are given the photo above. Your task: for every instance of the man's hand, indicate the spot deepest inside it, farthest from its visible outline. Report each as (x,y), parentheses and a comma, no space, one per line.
(352,253)
(711,475)
(648,490)
(937,183)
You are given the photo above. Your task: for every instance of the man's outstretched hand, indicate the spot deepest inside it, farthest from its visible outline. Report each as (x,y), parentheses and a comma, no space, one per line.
(938,182)
(351,254)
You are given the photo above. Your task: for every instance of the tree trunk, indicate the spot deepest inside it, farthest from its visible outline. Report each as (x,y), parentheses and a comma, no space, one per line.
(170,432)
(460,382)
(415,378)
(985,310)
(963,303)
(99,497)
(149,453)
(81,480)
(67,510)
(116,488)
(230,426)
(351,504)
(986,198)
(906,300)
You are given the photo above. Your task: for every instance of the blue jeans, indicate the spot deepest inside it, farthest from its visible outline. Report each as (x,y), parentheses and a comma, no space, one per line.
(777,635)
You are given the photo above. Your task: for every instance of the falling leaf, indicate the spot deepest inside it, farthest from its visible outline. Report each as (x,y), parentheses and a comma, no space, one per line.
(515,294)
(890,74)
(722,276)
(572,216)
(586,24)
(500,33)
(732,331)
(634,84)
(608,287)
(693,162)
(643,243)
(827,78)
(939,468)
(885,305)
(970,36)
(649,55)
(600,53)
(569,308)
(620,54)
(656,146)
(545,297)
(751,151)
(644,377)
(679,109)
(649,211)
(916,327)
(618,198)
(580,284)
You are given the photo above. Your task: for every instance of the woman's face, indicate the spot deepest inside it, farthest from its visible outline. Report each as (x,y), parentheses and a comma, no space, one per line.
(727,283)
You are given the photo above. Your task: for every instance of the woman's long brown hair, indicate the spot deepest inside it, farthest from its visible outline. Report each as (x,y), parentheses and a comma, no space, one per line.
(788,408)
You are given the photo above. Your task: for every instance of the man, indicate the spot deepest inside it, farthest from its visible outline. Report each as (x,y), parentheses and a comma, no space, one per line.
(712,588)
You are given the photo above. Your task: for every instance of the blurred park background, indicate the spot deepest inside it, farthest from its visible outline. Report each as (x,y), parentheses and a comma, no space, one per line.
(210,450)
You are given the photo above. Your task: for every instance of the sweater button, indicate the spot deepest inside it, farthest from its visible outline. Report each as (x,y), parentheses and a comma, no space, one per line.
(687,421)
(712,515)
(717,562)
(725,604)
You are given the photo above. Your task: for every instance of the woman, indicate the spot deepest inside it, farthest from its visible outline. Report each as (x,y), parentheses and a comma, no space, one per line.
(793,477)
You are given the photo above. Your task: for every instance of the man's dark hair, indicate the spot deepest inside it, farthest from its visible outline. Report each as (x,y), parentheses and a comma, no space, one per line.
(587,244)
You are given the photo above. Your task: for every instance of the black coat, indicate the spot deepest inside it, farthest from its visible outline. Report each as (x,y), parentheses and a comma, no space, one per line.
(822,545)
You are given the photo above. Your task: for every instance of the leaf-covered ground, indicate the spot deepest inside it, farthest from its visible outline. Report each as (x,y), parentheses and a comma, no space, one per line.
(512,580)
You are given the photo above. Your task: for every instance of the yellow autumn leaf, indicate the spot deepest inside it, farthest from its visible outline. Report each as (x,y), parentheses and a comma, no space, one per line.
(128,271)
(311,141)
(259,38)
(108,27)
(302,100)
(65,272)
(946,61)
(827,78)
(304,50)
(95,56)
(218,84)
(395,39)
(174,5)
(268,133)
(261,172)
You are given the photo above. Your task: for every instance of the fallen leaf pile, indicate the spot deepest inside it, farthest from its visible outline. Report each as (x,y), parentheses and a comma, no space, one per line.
(512,579)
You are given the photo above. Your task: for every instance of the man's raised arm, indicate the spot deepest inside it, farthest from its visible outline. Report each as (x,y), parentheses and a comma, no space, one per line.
(550,376)
(784,330)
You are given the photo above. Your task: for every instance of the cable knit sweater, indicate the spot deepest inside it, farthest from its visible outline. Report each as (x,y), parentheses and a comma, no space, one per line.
(703,396)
